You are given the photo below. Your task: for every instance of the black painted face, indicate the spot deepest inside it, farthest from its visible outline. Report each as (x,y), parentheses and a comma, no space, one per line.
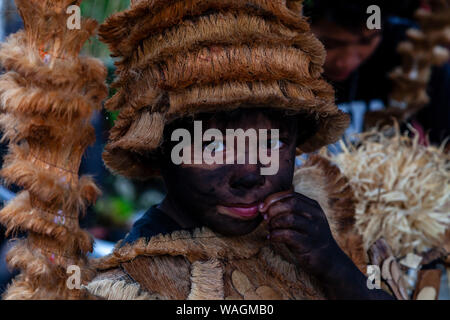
(223,197)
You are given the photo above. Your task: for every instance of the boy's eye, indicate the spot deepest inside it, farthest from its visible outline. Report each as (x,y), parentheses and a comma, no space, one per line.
(274,144)
(216,146)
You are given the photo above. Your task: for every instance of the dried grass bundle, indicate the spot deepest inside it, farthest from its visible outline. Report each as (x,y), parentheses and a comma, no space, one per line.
(402,191)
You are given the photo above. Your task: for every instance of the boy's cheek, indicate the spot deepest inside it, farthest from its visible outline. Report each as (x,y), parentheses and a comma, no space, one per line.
(201,186)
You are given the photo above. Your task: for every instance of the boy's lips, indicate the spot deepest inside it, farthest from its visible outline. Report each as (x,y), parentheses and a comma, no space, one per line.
(252,210)
(240,211)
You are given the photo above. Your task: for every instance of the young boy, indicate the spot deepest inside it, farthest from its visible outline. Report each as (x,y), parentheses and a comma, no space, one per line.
(226,230)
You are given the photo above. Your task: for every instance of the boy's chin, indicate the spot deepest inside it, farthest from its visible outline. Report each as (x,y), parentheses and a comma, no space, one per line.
(235,228)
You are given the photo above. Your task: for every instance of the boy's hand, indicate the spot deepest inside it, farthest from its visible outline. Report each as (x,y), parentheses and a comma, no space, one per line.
(300,223)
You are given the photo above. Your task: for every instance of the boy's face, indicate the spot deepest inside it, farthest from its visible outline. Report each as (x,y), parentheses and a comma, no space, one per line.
(225,197)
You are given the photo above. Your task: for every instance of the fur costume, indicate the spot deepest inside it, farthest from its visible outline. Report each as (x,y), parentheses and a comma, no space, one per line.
(179,58)
(206,265)
(47,96)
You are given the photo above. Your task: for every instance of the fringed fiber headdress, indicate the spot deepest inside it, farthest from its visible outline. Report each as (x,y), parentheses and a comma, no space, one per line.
(179,58)
(46,97)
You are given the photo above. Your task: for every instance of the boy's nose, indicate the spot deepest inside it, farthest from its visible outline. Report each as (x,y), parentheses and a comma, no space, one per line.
(247,181)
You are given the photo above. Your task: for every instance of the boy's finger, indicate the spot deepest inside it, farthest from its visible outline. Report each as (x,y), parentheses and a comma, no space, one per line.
(290,221)
(276,209)
(286,206)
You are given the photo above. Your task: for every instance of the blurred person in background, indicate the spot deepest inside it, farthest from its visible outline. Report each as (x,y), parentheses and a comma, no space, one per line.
(359,60)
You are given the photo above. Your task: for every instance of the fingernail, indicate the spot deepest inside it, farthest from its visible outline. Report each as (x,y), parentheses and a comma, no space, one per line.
(265,216)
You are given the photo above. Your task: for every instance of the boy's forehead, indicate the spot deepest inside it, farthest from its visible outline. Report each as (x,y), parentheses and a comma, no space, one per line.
(247,118)
(240,119)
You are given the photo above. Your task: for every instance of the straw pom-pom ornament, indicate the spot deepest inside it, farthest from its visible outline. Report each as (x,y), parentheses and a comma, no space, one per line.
(402,191)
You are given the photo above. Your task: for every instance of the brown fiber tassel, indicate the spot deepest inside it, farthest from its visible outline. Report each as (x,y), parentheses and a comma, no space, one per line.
(47,96)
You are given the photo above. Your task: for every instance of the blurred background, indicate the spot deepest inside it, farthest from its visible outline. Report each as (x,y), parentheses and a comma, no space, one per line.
(358,65)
